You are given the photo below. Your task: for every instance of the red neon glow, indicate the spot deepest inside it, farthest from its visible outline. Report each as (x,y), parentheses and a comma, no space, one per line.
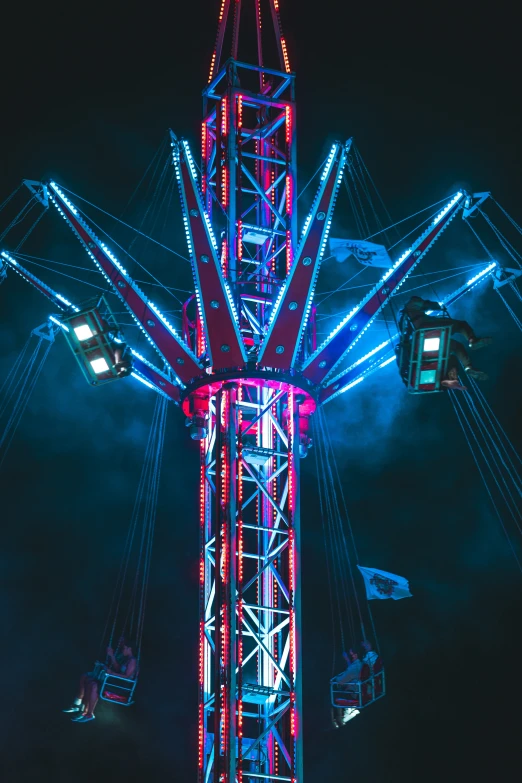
(224,116)
(200,738)
(289,253)
(291,465)
(285,55)
(212,64)
(239,111)
(224,186)
(200,336)
(224,257)
(201,662)
(204,157)
(239,240)
(288,124)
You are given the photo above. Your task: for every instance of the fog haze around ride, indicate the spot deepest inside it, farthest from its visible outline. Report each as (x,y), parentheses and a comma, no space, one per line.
(416,502)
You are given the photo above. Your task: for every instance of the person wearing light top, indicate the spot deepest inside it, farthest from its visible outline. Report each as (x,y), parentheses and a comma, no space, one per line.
(122,663)
(370,656)
(351,673)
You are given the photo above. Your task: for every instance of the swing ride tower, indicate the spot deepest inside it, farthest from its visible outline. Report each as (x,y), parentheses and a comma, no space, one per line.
(248,375)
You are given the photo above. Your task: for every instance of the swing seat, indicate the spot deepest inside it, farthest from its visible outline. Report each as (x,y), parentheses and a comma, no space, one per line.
(362,692)
(116,689)
(378,679)
(423,356)
(93,336)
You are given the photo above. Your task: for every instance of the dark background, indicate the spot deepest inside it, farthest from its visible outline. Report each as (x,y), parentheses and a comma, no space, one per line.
(430,93)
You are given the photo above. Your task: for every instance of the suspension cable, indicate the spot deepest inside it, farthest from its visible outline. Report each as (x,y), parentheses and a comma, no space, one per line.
(510,310)
(137,552)
(504,241)
(459,411)
(127,225)
(513,222)
(19,386)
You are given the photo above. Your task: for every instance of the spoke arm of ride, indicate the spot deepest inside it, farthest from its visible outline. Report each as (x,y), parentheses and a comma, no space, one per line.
(154,378)
(143,370)
(160,333)
(292,308)
(342,339)
(384,353)
(57,299)
(216,305)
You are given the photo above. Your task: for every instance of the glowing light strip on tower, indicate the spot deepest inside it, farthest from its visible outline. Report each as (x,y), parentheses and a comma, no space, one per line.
(223,7)
(282,38)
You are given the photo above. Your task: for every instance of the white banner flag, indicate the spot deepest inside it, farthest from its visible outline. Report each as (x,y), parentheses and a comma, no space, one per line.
(381,584)
(364,252)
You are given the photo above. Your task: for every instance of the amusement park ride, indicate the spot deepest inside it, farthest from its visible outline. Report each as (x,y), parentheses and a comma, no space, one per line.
(248,375)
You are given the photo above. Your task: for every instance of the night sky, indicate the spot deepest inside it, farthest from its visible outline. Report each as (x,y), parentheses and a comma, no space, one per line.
(430,94)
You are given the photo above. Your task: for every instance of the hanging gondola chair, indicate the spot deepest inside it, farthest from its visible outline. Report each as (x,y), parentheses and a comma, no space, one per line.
(423,355)
(350,611)
(127,610)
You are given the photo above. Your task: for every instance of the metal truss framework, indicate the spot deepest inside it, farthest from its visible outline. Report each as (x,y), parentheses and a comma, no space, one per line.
(248,376)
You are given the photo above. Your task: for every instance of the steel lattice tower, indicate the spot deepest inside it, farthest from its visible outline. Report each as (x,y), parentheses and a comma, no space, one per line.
(248,376)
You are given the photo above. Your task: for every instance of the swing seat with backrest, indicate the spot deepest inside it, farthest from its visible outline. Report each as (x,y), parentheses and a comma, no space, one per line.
(127,608)
(117,689)
(95,339)
(423,356)
(359,693)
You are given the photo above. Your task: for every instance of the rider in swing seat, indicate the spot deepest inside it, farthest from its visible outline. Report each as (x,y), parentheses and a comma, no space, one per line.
(416,309)
(350,674)
(123,664)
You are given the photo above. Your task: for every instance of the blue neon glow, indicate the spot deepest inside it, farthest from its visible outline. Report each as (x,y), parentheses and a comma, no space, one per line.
(350,385)
(193,172)
(58,323)
(453,201)
(388,361)
(231,301)
(143,381)
(66,301)
(277,304)
(8,258)
(485,271)
(369,355)
(64,198)
(162,318)
(329,162)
